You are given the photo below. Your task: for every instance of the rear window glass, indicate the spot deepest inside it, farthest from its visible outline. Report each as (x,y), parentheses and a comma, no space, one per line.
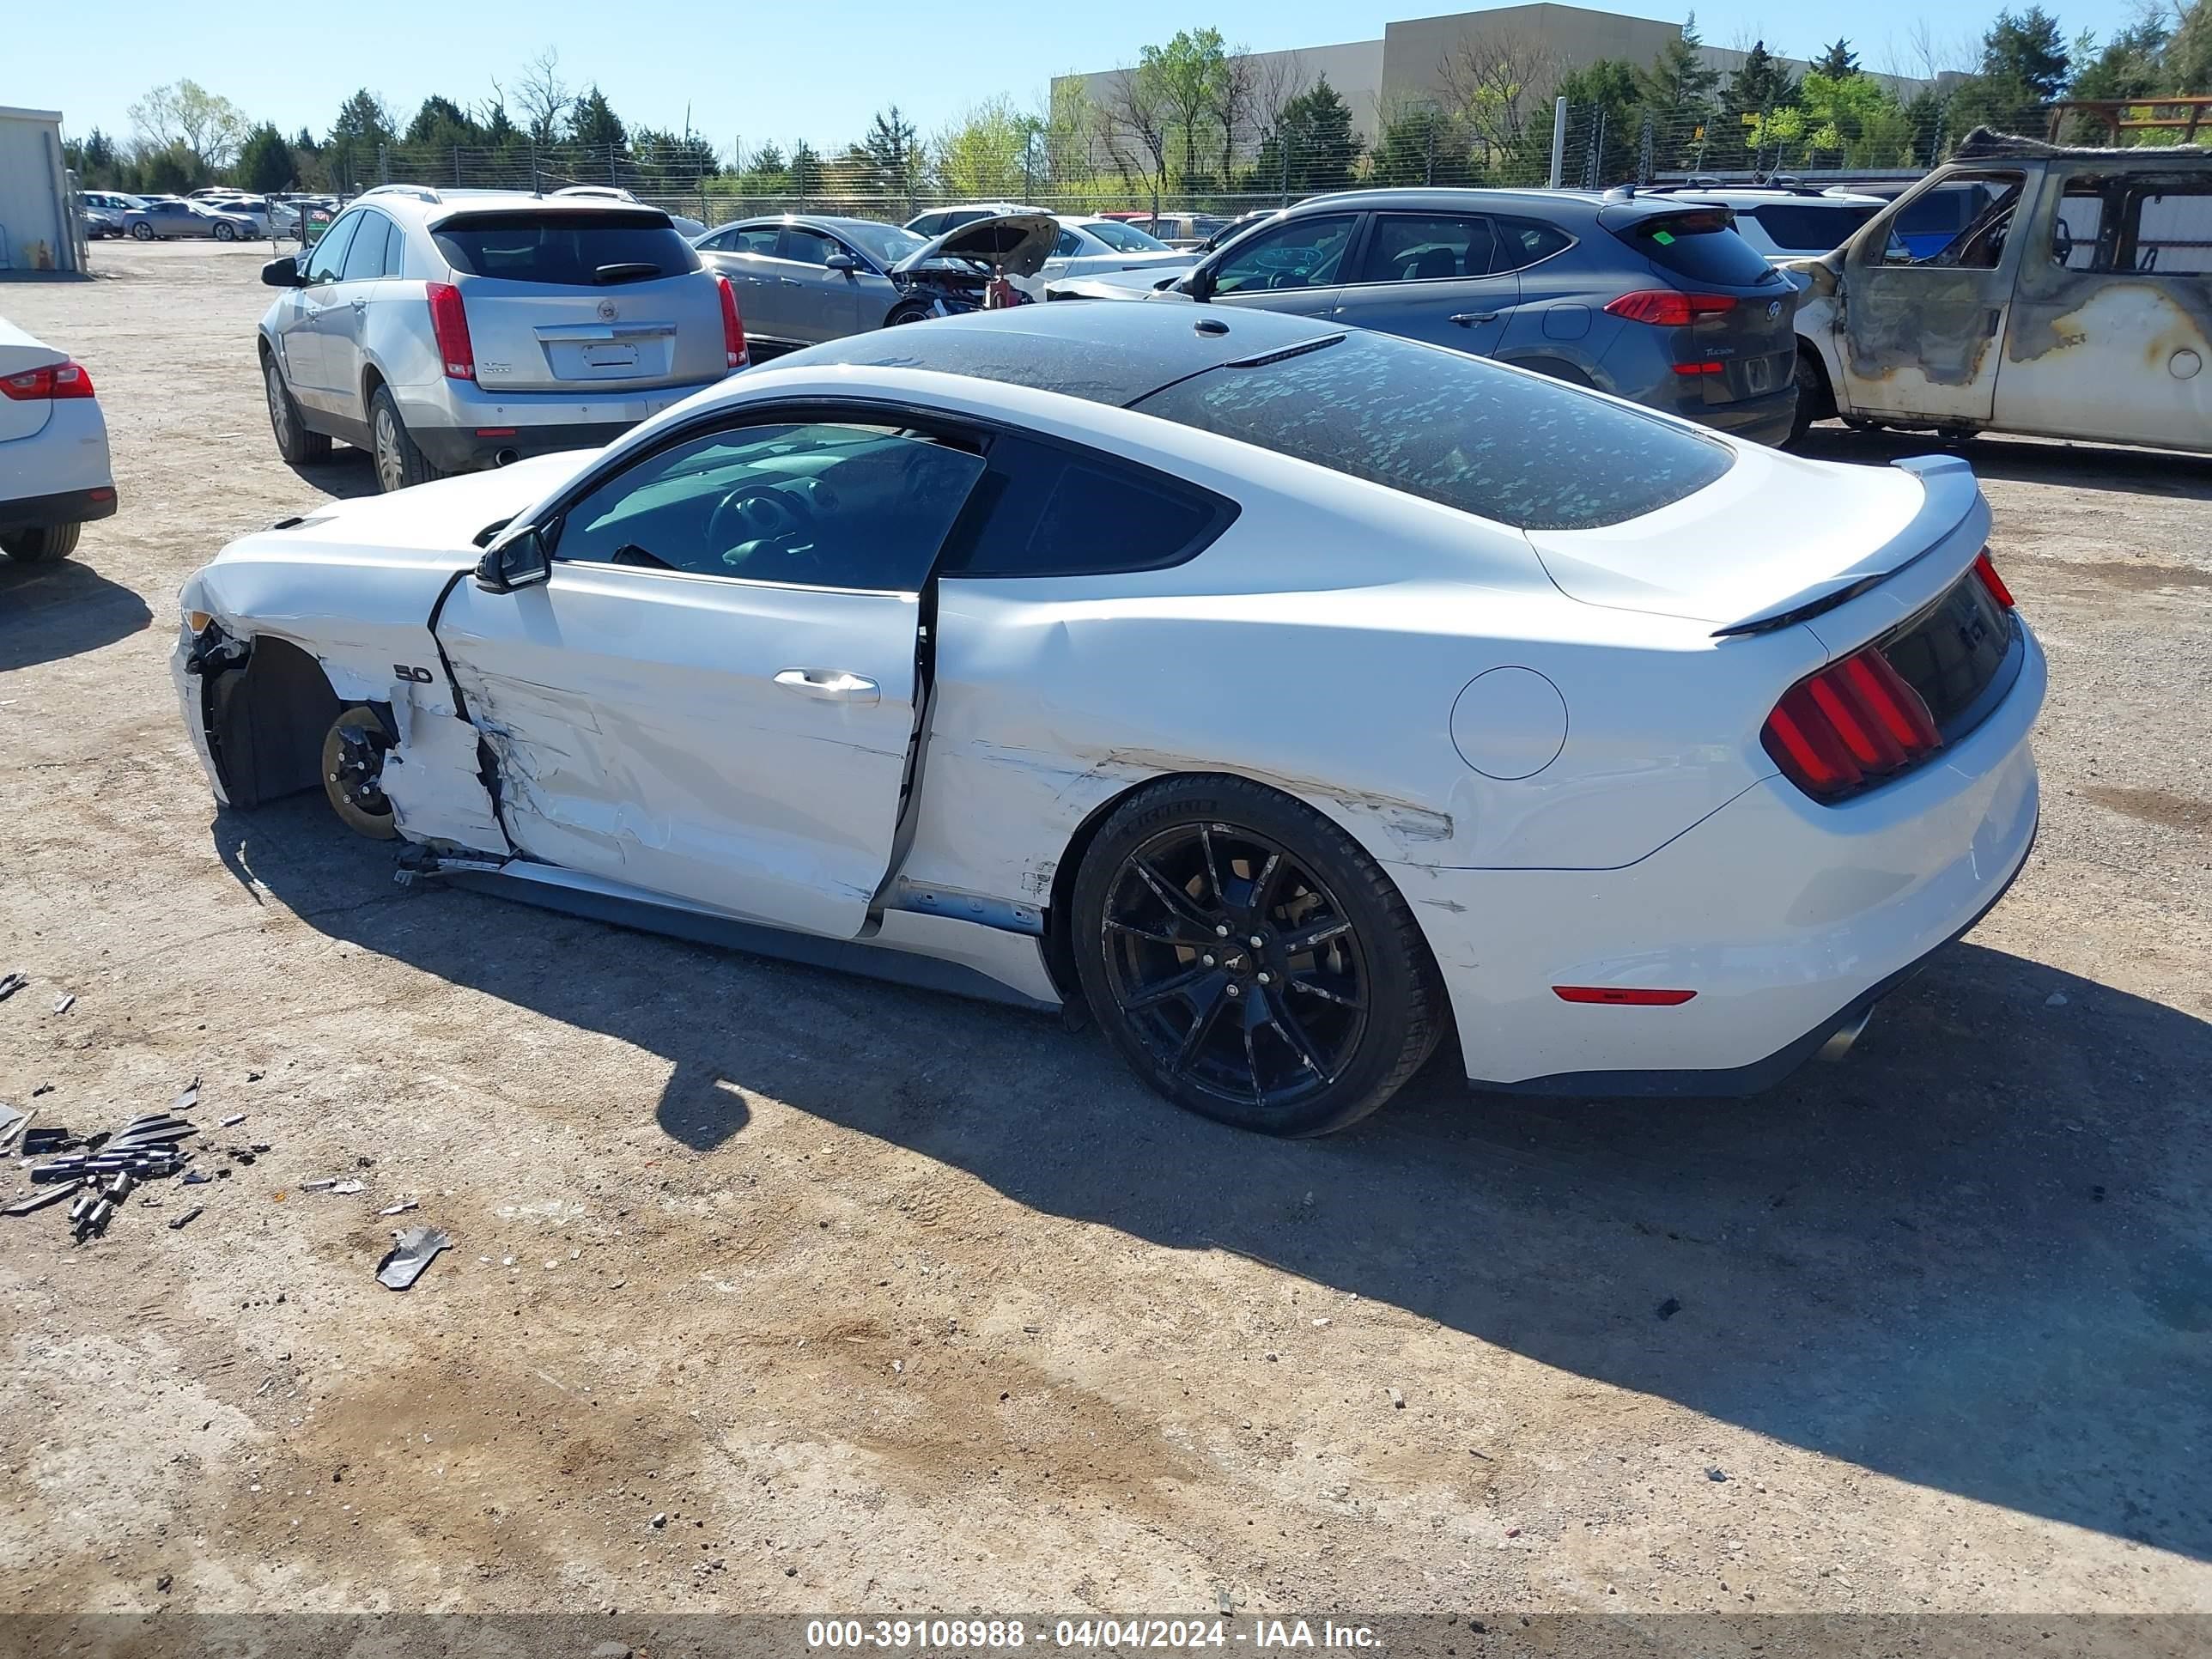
(568,249)
(1812,229)
(1702,246)
(1452,428)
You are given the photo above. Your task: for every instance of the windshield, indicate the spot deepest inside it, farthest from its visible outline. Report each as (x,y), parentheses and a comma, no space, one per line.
(1701,246)
(885,244)
(1511,448)
(568,248)
(1124,239)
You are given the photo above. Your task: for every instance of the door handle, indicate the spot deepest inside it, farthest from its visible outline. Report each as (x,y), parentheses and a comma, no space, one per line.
(1469,319)
(1996,316)
(830,685)
(359,306)
(791,281)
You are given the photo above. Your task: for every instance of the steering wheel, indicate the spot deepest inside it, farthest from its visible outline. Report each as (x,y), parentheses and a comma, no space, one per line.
(2062,241)
(759,510)
(1287,277)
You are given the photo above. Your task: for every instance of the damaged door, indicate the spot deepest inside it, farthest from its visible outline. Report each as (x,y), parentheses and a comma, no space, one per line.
(2111,327)
(1920,337)
(712,695)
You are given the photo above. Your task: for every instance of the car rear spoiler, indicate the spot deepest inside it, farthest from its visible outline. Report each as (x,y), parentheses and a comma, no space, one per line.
(1951,508)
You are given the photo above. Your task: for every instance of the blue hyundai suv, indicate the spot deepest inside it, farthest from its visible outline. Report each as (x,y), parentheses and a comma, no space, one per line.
(1652,299)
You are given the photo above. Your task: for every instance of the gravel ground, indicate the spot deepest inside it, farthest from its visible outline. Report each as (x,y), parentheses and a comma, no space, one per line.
(880,1299)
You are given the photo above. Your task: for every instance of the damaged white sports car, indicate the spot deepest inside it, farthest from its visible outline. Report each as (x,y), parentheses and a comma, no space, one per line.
(1290,696)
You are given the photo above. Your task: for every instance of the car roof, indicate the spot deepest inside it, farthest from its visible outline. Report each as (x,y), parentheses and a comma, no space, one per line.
(1101,351)
(826,221)
(1754,195)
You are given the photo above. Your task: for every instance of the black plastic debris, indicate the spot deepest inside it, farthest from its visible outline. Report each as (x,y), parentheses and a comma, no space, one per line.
(1669,1309)
(411,1252)
(39,1201)
(184,1220)
(11,983)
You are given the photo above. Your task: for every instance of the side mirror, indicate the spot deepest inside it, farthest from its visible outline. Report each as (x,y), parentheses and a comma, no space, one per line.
(283,273)
(844,262)
(517,559)
(1198,284)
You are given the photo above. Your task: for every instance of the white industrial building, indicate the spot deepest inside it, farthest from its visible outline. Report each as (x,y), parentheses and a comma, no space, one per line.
(40,227)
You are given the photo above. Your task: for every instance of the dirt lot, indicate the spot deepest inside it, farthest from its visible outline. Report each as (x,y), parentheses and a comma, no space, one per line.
(887,1300)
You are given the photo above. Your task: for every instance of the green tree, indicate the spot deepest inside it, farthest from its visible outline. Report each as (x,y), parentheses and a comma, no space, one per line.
(206,124)
(265,161)
(441,123)
(1185,77)
(171,171)
(894,154)
(806,169)
(1761,85)
(1423,146)
(359,138)
(1676,94)
(2188,56)
(2025,48)
(595,124)
(1852,121)
(1603,98)
(1313,148)
(985,152)
(1838,61)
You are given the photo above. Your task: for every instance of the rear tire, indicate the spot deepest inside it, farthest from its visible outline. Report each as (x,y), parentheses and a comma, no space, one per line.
(399,464)
(225,233)
(53,541)
(144,233)
(1815,402)
(1305,1032)
(298,446)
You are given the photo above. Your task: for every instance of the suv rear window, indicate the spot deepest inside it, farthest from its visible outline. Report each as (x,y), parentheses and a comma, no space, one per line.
(1701,246)
(566,249)
(1449,428)
(1801,225)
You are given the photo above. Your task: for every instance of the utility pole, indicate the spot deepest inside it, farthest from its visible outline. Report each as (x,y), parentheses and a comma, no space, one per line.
(1558,140)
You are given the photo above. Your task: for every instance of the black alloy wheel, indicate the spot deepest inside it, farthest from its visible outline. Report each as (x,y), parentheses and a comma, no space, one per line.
(1256,968)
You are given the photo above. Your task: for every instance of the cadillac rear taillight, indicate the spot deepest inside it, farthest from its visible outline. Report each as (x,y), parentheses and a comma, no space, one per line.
(449,321)
(1991,580)
(1853,723)
(1667,307)
(47,384)
(733,327)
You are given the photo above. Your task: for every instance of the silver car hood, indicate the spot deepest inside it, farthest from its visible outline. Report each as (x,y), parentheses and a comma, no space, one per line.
(1016,243)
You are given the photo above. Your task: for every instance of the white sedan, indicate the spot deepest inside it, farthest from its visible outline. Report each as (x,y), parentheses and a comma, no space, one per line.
(54,473)
(1291,696)
(1096,248)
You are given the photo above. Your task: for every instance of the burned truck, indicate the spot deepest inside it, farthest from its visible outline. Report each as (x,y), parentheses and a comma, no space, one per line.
(2075,302)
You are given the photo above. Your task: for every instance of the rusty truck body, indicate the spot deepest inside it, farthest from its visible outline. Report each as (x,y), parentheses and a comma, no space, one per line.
(2075,303)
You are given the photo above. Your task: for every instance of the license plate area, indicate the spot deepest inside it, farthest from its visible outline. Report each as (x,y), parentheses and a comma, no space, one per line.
(614,355)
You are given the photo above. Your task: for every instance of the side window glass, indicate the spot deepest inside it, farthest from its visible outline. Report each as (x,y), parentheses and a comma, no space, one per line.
(1068,245)
(365,256)
(329,257)
(2172,233)
(2080,218)
(1522,242)
(808,248)
(819,504)
(1425,247)
(1981,209)
(759,239)
(1045,511)
(1306,253)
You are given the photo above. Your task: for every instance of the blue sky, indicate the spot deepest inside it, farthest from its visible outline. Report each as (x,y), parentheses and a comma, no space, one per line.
(816,69)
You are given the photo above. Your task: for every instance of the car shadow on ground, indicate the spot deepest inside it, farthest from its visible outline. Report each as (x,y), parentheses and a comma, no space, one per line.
(59,608)
(349,472)
(2030,460)
(1972,1256)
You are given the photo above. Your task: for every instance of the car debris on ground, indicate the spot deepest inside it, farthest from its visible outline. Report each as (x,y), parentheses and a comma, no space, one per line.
(411,1253)
(11,983)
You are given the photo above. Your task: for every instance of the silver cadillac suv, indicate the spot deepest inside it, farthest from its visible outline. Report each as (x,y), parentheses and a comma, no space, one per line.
(447,331)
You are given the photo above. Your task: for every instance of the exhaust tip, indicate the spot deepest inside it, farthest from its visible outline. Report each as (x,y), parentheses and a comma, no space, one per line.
(506,457)
(1840,1041)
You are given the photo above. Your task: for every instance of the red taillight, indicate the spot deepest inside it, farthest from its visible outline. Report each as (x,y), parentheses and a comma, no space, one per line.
(449,321)
(1699,368)
(1621,996)
(733,327)
(1667,307)
(1851,723)
(48,384)
(1991,580)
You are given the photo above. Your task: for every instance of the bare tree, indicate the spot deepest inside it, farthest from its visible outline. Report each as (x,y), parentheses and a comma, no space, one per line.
(205,122)
(1135,122)
(545,100)
(1493,81)
(1236,90)
(1279,81)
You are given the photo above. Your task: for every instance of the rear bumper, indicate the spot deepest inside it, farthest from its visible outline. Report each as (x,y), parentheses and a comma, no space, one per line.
(463,429)
(67,507)
(1787,918)
(1756,419)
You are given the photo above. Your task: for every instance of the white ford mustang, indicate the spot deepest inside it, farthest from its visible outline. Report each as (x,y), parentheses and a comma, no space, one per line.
(1291,696)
